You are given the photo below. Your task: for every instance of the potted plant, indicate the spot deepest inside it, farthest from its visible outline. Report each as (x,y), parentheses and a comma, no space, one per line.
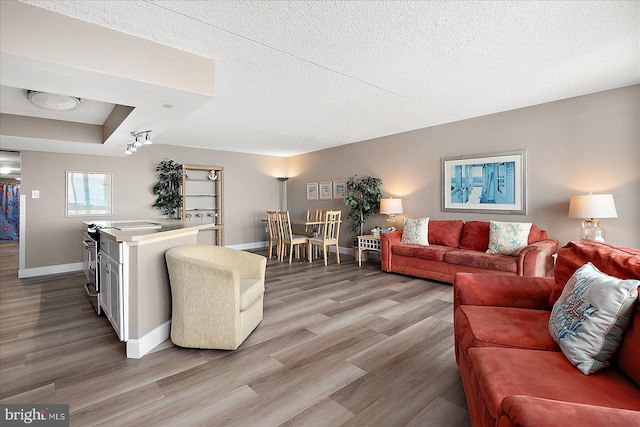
(363,197)
(168,188)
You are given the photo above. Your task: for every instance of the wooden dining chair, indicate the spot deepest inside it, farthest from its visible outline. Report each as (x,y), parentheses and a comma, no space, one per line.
(274,233)
(287,237)
(313,215)
(328,237)
(310,230)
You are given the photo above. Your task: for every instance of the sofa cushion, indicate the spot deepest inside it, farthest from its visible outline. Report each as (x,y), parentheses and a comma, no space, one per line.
(527,411)
(535,234)
(630,348)
(482,260)
(486,326)
(501,372)
(445,232)
(508,238)
(591,315)
(432,252)
(617,261)
(475,236)
(416,231)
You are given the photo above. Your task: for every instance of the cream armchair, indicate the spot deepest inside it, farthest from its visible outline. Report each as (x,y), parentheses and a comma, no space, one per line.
(217,295)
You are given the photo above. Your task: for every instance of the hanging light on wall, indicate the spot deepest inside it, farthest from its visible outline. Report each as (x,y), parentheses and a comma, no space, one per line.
(138,138)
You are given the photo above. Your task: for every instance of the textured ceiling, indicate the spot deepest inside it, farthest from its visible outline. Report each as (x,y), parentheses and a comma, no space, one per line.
(299,76)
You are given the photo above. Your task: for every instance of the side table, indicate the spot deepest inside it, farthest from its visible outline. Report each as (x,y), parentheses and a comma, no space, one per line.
(368,243)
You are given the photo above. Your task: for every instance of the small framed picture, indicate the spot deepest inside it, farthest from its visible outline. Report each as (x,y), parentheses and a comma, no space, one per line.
(339,189)
(312,191)
(325,190)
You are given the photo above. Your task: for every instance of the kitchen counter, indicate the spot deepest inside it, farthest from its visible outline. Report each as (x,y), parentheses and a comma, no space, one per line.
(140,230)
(135,291)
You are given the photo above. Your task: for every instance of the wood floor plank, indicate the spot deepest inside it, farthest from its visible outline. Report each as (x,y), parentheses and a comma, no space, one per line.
(339,345)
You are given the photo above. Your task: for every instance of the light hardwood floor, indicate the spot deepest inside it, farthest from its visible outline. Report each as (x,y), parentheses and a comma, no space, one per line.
(339,345)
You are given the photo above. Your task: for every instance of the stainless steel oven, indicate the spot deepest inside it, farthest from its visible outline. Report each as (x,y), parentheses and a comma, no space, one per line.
(91,245)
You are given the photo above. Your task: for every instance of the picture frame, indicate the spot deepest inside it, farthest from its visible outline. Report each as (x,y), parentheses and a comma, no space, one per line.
(312,191)
(492,183)
(325,191)
(339,189)
(88,193)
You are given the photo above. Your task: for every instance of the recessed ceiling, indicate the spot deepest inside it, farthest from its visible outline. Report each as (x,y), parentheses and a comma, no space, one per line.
(299,76)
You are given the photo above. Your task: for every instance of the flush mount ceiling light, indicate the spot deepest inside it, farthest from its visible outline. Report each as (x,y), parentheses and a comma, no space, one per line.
(52,101)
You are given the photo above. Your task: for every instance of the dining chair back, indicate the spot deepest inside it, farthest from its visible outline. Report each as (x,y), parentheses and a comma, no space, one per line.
(313,215)
(329,236)
(274,233)
(289,240)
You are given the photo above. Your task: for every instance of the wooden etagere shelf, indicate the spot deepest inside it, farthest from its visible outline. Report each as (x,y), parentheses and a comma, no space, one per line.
(203,197)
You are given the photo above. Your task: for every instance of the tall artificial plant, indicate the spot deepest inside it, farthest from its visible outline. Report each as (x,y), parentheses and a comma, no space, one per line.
(168,188)
(363,196)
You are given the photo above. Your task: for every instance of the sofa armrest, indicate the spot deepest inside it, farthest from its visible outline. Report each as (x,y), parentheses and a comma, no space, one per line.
(537,258)
(524,411)
(386,241)
(502,291)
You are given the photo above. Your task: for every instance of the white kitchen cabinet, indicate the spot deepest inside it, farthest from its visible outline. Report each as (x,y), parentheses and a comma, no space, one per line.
(113,293)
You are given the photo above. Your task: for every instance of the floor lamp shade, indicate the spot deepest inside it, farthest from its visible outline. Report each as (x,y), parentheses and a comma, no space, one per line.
(592,207)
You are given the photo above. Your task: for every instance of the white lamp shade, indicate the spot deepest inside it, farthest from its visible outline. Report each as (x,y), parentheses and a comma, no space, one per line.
(391,206)
(592,206)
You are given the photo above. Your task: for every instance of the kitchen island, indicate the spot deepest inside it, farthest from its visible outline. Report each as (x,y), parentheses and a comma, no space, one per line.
(135,293)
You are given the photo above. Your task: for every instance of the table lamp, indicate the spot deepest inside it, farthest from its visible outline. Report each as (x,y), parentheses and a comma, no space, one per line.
(592,207)
(391,207)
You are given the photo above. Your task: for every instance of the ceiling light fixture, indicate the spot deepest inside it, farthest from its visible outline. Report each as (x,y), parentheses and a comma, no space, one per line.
(137,141)
(52,101)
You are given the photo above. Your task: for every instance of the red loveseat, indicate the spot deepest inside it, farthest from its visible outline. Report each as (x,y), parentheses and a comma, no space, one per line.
(512,371)
(456,246)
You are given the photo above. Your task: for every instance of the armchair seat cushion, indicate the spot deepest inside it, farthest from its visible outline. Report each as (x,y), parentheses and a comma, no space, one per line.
(482,260)
(482,326)
(501,372)
(251,290)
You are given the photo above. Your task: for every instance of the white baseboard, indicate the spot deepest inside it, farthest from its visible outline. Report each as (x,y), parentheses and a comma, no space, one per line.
(136,348)
(78,266)
(245,246)
(50,269)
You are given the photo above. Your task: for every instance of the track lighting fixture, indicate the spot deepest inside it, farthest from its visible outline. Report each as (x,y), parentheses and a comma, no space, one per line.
(138,141)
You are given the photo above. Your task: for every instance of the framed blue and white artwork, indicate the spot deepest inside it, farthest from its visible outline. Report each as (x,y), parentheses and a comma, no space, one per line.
(326,190)
(494,183)
(312,191)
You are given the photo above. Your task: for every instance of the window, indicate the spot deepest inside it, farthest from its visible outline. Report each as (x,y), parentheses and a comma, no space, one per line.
(89,193)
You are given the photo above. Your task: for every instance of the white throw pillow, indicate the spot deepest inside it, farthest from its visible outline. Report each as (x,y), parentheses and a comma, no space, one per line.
(416,231)
(508,238)
(591,315)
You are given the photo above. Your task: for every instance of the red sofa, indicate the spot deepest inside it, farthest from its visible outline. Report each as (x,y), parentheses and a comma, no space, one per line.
(456,246)
(512,371)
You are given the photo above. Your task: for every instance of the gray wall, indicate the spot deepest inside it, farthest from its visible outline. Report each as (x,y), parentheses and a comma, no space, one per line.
(50,238)
(574,146)
(589,143)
